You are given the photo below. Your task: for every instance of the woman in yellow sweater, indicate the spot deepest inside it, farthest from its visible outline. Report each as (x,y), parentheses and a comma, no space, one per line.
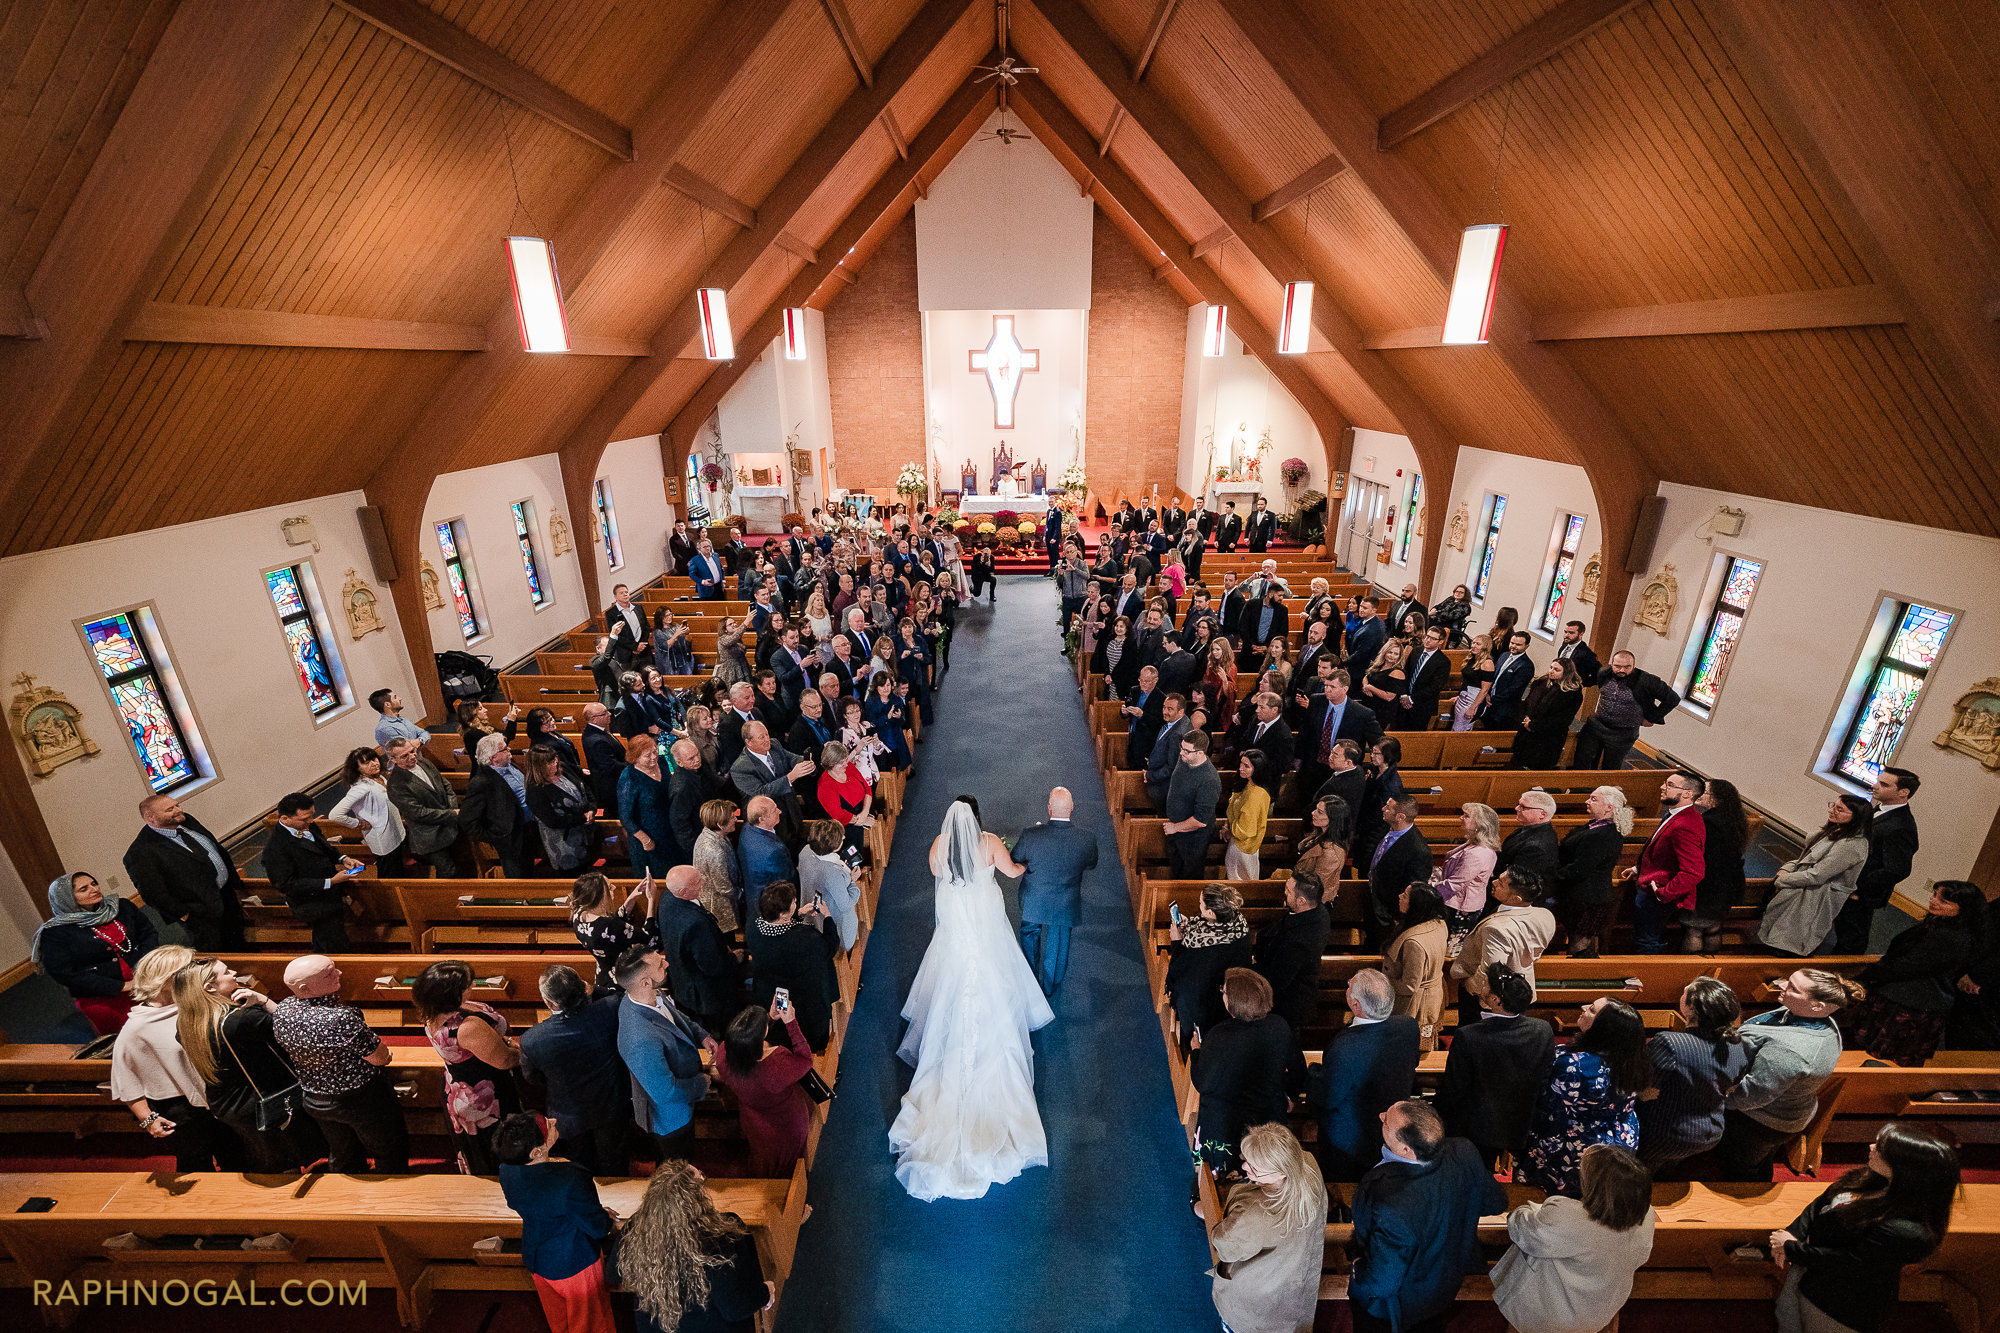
(1249,812)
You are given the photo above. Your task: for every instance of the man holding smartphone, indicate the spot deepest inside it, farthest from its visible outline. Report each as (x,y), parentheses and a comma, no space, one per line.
(313,876)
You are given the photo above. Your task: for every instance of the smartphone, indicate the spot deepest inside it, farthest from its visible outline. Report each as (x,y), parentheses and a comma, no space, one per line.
(781,997)
(41,1203)
(1174,911)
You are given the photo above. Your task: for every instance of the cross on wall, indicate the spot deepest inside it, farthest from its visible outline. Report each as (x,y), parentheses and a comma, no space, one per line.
(1003,361)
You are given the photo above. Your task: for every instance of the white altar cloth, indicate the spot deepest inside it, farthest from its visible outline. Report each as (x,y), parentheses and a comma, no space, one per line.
(993,504)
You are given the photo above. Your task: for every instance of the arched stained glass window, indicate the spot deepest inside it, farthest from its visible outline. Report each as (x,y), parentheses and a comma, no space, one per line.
(451,543)
(302,638)
(524,534)
(1489,546)
(1413,505)
(1890,691)
(1725,626)
(158,733)
(1559,572)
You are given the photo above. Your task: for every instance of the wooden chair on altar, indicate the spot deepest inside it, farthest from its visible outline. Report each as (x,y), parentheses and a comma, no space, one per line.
(1038,478)
(968,479)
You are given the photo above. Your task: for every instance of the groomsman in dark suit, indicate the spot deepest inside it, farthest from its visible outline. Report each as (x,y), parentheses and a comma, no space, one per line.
(1429,674)
(182,871)
(1892,846)
(1174,519)
(1574,649)
(1230,530)
(1334,716)
(313,877)
(1365,639)
(1263,525)
(1513,672)
(1056,854)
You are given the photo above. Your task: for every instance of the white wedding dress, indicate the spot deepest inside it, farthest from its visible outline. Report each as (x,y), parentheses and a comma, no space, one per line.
(969,1120)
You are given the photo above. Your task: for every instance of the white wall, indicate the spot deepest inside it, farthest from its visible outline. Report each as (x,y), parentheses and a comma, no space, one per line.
(1824,575)
(807,400)
(511,625)
(1378,457)
(1536,492)
(776,400)
(1233,394)
(1048,409)
(205,583)
(639,497)
(1003,228)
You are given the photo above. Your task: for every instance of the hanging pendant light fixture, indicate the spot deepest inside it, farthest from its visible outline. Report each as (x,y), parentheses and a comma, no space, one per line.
(531,268)
(1475,283)
(1215,330)
(718,343)
(1295,325)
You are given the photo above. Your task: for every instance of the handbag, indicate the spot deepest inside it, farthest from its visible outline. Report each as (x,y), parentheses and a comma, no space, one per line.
(816,1087)
(275,1110)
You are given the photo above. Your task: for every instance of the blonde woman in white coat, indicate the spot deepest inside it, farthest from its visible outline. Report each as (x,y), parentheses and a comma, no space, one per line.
(1570,1267)
(1806,894)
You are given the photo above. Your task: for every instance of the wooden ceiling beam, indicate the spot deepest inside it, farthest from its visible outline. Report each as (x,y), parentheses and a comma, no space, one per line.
(161,322)
(1594,438)
(1436,449)
(895,133)
(1827,308)
(1110,131)
(1212,242)
(1569,22)
(1155,33)
(411,22)
(792,245)
(688,90)
(1297,188)
(935,145)
(1424,335)
(710,197)
(850,40)
(1129,205)
(17,317)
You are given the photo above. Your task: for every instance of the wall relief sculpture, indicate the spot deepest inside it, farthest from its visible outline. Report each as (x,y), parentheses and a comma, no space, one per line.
(1459,528)
(49,725)
(427,575)
(1658,600)
(358,601)
(1975,724)
(559,543)
(1593,574)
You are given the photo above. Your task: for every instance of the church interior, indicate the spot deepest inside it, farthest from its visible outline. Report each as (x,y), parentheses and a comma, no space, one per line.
(339,336)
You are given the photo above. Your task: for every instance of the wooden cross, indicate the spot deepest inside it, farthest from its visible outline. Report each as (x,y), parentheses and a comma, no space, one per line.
(1003,361)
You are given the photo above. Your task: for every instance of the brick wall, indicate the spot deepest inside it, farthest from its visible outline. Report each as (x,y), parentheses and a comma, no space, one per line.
(1138,346)
(875,367)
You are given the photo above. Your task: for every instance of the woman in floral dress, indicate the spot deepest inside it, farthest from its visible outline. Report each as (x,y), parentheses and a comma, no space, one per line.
(471,1037)
(1592,1096)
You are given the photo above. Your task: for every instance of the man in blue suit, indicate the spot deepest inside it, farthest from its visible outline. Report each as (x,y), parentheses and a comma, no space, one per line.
(706,571)
(765,857)
(1056,855)
(1416,1224)
(1369,1066)
(661,1046)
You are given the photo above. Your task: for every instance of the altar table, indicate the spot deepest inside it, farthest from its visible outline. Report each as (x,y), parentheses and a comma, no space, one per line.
(993,504)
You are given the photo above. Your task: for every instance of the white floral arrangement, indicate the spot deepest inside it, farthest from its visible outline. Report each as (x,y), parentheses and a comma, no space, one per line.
(911,481)
(1072,479)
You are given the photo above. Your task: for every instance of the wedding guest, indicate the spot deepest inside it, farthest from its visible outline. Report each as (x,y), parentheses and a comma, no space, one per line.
(1400,857)
(563,805)
(1513,672)
(1911,987)
(858,734)
(702,969)
(1670,864)
(1793,1050)
(1843,1257)
(1585,863)
(1386,683)
(1475,680)
(366,806)
(768,1081)
(470,1036)
(1725,838)
(715,856)
(1591,1097)
(1547,709)
(1532,844)
(1808,891)
(1515,933)
(661,1046)
(1192,796)
(90,946)
(1892,845)
(1693,1070)
(1570,1264)
(1627,700)
(643,809)
(1461,881)
(185,876)
(153,1076)
(572,1055)
(788,949)
(1249,813)
(1238,1067)
(492,810)
(826,878)
(1384,783)
(1204,948)
(224,1025)
(340,1064)
(1369,1065)
(563,1224)
(606,926)
(1270,1241)
(1496,1069)
(688,1266)
(886,712)
(1414,961)
(1453,612)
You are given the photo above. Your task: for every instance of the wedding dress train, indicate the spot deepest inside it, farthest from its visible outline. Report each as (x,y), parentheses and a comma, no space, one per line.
(969,1120)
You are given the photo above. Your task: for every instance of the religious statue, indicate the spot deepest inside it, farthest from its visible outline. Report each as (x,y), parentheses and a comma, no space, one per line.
(1657,601)
(1038,478)
(359,603)
(1975,724)
(49,725)
(1593,574)
(1461,524)
(1003,466)
(559,542)
(968,479)
(427,578)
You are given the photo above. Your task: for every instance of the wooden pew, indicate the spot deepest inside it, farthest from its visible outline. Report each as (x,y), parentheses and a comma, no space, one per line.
(418,1236)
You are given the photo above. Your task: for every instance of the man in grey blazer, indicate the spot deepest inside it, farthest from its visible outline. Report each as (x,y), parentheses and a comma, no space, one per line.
(1057,854)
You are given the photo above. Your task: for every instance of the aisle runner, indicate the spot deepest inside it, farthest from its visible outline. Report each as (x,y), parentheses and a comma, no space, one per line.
(1103,1238)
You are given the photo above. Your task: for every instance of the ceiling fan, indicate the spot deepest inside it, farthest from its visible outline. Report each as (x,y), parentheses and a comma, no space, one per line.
(1008,71)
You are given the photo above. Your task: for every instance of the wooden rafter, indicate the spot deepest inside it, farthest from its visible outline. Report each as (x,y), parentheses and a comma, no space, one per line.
(895,133)
(17,318)
(411,22)
(1212,242)
(1110,131)
(710,197)
(850,40)
(1156,31)
(792,245)
(1568,22)
(1297,188)
(160,322)
(1828,308)
(1121,196)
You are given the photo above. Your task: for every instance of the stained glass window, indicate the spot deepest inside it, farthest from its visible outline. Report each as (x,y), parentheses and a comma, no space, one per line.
(524,534)
(1890,694)
(156,731)
(1725,626)
(1489,545)
(1412,506)
(302,639)
(607,523)
(1565,563)
(450,539)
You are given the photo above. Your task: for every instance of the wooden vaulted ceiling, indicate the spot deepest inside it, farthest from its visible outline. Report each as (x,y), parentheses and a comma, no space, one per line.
(1820,307)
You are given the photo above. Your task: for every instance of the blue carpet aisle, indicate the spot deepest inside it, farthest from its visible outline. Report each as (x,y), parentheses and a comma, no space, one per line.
(1103,1238)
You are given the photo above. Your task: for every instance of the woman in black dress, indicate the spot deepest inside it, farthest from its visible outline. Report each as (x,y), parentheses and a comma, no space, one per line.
(608,928)
(1586,859)
(1546,713)
(787,948)
(224,1025)
(562,803)
(1913,985)
(1114,658)
(1204,949)
(913,667)
(1239,1069)
(89,946)
(1726,835)
(690,1269)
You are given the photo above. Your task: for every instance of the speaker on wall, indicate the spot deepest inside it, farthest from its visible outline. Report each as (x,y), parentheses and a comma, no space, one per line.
(1645,532)
(375,535)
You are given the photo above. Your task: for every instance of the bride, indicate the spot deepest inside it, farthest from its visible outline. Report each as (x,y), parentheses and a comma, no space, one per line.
(969,1120)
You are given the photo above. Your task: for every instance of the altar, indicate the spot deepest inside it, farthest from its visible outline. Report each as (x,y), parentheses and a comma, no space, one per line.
(1244,493)
(993,504)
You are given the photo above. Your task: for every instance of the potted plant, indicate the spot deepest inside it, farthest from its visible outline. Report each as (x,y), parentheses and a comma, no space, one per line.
(1293,472)
(712,474)
(911,483)
(1073,479)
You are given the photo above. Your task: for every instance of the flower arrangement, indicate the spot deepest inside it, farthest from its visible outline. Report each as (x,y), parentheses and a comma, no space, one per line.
(961,529)
(794,521)
(1072,479)
(713,473)
(1293,471)
(1006,518)
(948,516)
(986,529)
(911,481)
(1027,528)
